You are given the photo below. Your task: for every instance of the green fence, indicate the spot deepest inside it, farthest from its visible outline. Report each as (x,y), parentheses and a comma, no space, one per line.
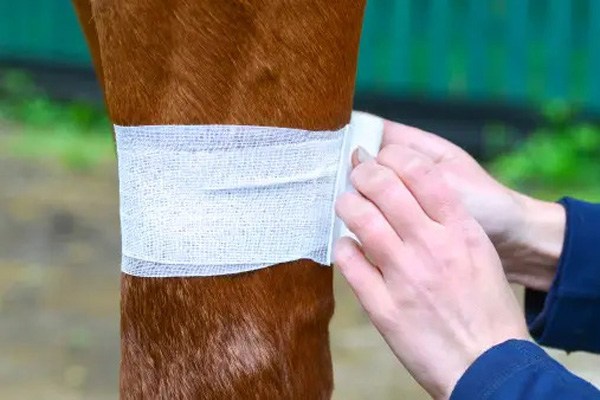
(515,51)
(44,31)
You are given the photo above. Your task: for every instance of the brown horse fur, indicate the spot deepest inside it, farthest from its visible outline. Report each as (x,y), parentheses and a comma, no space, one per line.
(286,63)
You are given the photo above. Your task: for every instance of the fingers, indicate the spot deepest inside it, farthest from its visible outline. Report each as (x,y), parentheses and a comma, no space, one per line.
(365,279)
(382,186)
(425,143)
(378,238)
(360,155)
(425,181)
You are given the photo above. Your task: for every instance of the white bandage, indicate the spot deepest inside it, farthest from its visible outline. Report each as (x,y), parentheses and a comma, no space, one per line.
(217,200)
(366,131)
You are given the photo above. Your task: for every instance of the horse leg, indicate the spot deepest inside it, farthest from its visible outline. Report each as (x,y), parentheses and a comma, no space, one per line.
(285,63)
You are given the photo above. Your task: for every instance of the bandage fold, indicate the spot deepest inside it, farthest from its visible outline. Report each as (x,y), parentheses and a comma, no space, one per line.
(217,200)
(214,200)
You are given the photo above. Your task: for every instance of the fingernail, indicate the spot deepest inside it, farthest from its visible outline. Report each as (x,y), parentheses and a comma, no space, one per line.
(363,155)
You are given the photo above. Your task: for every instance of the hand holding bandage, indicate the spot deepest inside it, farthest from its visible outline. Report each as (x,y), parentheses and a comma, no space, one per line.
(437,286)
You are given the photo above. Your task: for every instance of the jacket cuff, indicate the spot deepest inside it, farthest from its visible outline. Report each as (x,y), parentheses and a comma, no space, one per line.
(564,317)
(495,367)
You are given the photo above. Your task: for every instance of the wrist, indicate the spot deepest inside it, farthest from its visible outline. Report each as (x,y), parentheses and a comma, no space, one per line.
(530,254)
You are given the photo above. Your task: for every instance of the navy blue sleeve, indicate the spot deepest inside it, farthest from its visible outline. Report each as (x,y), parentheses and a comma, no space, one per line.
(520,370)
(568,316)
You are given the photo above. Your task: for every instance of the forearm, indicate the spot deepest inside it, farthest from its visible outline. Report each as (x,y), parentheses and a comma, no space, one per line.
(520,370)
(530,254)
(564,316)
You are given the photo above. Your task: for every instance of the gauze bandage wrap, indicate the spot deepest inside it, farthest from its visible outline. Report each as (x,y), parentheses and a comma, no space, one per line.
(216,200)
(366,131)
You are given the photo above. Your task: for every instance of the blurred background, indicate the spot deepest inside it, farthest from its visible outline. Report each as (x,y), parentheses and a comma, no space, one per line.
(515,82)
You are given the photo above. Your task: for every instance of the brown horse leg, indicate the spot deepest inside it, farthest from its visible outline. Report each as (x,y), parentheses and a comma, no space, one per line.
(286,63)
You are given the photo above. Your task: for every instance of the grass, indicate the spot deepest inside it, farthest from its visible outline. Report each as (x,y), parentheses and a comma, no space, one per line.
(35,127)
(560,158)
(74,150)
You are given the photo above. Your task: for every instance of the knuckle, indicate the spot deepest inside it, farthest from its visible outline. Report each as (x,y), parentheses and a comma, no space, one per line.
(390,153)
(439,246)
(341,255)
(420,287)
(372,179)
(430,283)
(450,259)
(357,216)
(370,223)
(407,162)
(473,234)
(444,205)
(451,208)
(359,172)
(417,167)
(344,254)
(385,184)
(410,296)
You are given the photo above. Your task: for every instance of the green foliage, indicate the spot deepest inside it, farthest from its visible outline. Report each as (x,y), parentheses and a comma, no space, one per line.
(22,101)
(75,151)
(77,134)
(561,156)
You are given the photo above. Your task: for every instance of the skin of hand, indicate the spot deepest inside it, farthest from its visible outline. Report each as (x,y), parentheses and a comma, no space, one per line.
(425,271)
(528,234)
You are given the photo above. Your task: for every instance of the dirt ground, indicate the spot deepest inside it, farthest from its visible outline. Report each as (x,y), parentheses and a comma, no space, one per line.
(59,296)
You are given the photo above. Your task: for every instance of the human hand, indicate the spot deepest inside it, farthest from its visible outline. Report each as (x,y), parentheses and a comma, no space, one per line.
(527,233)
(436,291)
